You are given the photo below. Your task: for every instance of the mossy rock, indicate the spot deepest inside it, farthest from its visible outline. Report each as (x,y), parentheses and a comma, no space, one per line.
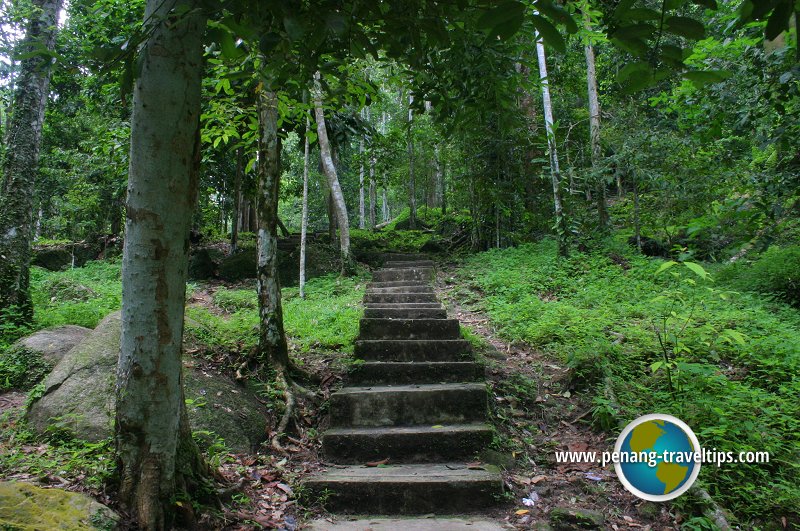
(25,507)
(204,262)
(79,396)
(53,343)
(63,256)
(569,518)
(239,266)
(30,359)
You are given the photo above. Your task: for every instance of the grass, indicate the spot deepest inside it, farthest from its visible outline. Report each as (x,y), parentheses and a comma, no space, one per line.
(735,363)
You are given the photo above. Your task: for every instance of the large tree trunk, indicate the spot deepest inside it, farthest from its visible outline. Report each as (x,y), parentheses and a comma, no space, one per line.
(304,217)
(555,172)
(594,133)
(333,180)
(412,185)
(271,338)
(155,452)
(22,159)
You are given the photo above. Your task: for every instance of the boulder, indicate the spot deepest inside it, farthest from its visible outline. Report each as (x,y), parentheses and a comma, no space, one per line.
(63,256)
(31,358)
(204,262)
(239,266)
(25,507)
(79,396)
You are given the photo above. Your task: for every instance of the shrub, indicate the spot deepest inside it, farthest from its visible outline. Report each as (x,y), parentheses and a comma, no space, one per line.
(778,272)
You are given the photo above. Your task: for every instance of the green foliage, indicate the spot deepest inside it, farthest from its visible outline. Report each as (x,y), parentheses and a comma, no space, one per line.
(776,272)
(21,369)
(736,357)
(80,296)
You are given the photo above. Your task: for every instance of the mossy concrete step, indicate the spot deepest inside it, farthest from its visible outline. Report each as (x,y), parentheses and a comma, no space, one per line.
(383,298)
(420,372)
(370,328)
(406,444)
(407,405)
(409,263)
(411,273)
(417,350)
(398,283)
(399,289)
(404,305)
(402,257)
(405,313)
(407,489)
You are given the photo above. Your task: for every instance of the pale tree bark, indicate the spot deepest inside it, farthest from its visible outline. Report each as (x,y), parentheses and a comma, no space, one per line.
(22,160)
(155,453)
(555,172)
(329,168)
(372,189)
(237,199)
(384,191)
(594,131)
(272,346)
(304,216)
(412,185)
(361,203)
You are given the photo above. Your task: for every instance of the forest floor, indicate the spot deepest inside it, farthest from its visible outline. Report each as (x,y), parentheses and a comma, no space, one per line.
(537,413)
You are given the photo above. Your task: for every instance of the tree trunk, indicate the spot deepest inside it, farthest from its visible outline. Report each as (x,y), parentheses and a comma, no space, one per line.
(594,132)
(304,217)
(155,452)
(361,204)
(373,198)
(22,159)
(333,180)
(637,227)
(272,347)
(385,202)
(412,185)
(555,172)
(237,199)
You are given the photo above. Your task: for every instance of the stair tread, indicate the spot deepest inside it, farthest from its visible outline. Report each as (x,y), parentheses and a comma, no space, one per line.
(410,430)
(410,388)
(410,473)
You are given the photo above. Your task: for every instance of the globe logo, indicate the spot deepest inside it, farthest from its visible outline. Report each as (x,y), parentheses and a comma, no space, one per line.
(657,457)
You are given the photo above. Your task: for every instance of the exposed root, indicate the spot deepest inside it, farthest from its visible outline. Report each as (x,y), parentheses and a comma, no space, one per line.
(712,509)
(285,383)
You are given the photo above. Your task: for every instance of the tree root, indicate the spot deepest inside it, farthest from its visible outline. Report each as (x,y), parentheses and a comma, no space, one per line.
(712,510)
(285,383)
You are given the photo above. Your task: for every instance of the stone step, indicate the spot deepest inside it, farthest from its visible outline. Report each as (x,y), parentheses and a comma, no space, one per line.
(389,275)
(420,372)
(409,263)
(402,257)
(407,405)
(404,305)
(400,289)
(409,329)
(398,283)
(407,489)
(406,313)
(406,444)
(382,298)
(418,350)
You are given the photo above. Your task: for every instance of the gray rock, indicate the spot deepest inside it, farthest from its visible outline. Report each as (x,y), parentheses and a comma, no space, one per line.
(569,518)
(53,343)
(79,396)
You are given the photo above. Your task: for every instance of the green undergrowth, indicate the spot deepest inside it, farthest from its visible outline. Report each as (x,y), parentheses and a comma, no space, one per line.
(626,324)
(326,319)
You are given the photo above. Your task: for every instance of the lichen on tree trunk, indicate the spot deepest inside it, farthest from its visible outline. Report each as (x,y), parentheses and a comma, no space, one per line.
(22,158)
(156,456)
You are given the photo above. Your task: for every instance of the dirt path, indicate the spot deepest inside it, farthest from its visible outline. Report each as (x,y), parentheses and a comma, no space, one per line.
(537,413)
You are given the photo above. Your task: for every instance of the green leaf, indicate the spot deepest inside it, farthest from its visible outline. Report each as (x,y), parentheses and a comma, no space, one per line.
(735,336)
(294,28)
(501,14)
(557,14)
(697,269)
(686,27)
(700,78)
(633,46)
(656,366)
(549,33)
(634,31)
(778,21)
(665,266)
(641,13)
(639,67)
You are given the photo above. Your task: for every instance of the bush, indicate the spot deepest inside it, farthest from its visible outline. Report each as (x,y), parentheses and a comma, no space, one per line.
(778,272)
(21,369)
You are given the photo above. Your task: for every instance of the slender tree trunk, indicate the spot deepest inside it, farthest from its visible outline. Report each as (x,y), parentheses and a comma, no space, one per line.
(373,199)
(594,132)
(637,227)
(155,452)
(22,160)
(361,204)
(304,217)
(385,202)
(272,346)
(555,172)
(412,185)
(237,198)
(333,180)
(444,189)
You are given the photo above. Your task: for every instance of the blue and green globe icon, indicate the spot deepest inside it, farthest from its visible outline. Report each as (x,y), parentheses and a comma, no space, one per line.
(657,457)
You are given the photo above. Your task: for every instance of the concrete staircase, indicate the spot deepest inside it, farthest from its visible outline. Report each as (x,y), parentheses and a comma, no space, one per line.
(417,400)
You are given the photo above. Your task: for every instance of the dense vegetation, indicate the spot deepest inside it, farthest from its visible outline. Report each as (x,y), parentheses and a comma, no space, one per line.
(618,183)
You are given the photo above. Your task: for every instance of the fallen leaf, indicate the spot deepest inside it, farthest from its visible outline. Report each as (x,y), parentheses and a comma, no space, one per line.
(521,512)
(285,488)
(537,479)
(378,463)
